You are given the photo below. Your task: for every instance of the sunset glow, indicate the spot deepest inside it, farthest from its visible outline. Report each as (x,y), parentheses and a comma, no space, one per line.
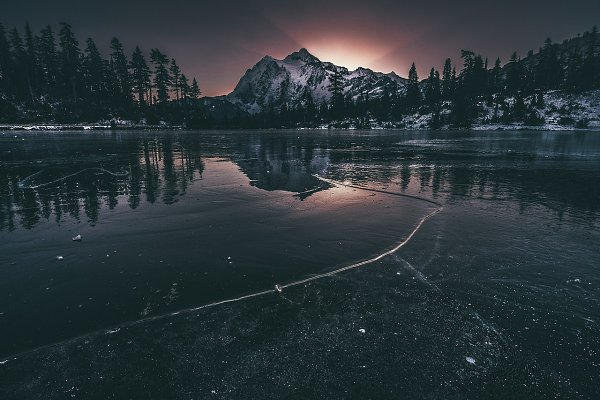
(346,53)
(343,56)
(218,41)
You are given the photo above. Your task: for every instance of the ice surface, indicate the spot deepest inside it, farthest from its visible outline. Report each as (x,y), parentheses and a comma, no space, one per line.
(519,226)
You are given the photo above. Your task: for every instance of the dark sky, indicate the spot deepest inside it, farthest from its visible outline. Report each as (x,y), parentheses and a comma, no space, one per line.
(218,40)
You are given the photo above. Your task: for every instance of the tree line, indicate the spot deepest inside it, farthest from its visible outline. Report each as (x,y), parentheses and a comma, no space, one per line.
(514,91)
(50,77)
(53,77)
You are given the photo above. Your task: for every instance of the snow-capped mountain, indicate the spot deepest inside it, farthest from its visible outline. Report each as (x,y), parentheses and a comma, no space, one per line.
(301,78)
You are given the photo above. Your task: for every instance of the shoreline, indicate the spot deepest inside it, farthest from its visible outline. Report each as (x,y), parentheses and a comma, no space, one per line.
(103,127)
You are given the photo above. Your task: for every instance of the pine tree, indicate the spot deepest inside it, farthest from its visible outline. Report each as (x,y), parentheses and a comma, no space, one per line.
(175,77)
(195,90)
(473,75)
(336,89)
(496,88)
(307,107)
(549,69)
(48,61)
(31,64)
(461,112)
(162,78)
(93,71)
(447,80)
(514,74)
(433,90)
(70,58)
(140,75)
(576,77)
(385,103)
(185,87)
(122,85)
(18,64)
(496,79)
(413,93)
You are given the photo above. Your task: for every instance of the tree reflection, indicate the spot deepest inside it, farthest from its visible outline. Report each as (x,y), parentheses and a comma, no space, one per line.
(151,167)
(561,172)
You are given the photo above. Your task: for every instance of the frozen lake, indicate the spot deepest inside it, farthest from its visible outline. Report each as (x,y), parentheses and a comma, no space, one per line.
(424,264)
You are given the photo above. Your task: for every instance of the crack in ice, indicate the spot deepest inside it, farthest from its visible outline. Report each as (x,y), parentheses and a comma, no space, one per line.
(277,289)
(21,183)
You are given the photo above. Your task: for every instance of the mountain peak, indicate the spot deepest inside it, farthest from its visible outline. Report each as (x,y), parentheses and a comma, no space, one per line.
(304,52)
(300,77)
(266,58)
(301,55)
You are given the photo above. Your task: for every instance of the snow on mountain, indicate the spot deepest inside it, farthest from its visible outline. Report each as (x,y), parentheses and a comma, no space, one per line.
(301,78)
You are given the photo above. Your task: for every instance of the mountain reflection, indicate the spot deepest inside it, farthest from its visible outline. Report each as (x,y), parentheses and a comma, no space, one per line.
(278,163)
(558,171)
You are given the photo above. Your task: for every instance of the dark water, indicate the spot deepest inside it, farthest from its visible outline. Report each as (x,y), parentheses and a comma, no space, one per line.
(496,296)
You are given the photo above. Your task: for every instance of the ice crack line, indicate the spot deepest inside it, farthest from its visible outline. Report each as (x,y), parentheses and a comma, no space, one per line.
(368,261)
(418,274)
(22,182)
(277,288)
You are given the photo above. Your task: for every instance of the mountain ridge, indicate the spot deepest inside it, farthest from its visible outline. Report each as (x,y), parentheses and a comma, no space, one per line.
(301,78)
